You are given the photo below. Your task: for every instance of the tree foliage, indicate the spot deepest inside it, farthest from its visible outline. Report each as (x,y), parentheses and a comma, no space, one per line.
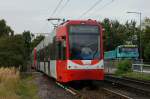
(113,35)
(147,51)
(15,50)
(129,33)
(27,46)
(12,51)
(5,30)
(146,43)
(132,32)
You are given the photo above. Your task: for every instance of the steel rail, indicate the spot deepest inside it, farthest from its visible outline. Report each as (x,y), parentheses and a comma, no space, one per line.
(70,90)
(112,92)
(140,86)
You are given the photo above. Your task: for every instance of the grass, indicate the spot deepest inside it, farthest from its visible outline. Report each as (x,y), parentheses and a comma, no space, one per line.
(13,87)
(138,75)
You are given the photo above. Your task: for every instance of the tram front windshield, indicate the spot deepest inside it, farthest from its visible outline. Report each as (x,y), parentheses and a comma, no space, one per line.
(84,42)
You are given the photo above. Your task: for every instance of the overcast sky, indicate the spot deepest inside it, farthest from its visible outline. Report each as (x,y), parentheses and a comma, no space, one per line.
(32,14)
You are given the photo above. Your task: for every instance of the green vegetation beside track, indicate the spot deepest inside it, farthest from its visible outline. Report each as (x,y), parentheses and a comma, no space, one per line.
(138,75)
(124,70)
(13,86)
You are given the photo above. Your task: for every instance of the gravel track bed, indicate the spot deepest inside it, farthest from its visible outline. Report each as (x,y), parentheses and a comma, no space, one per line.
(48,88)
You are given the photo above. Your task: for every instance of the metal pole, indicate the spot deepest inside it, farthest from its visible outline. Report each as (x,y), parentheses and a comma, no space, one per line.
(140,38)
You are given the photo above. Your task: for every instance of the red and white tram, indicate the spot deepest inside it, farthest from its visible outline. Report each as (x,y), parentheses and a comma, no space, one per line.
(73,51)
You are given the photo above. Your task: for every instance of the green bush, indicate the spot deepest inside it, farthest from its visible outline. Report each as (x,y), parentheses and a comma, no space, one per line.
(123,67)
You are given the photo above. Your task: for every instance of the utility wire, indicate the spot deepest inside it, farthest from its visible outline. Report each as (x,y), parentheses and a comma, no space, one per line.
(106,4)
(58,5)
(64,5)
(92,7)
(102,7)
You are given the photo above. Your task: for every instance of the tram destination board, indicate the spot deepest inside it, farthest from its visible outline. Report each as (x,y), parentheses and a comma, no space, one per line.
(84,29)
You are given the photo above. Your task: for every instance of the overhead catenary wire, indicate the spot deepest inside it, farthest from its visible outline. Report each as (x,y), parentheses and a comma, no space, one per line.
(106,4)
(63,7)
(91,8)
(57,6)
(102,7)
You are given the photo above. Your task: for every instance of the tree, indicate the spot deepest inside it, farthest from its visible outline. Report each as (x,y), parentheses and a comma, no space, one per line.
(27,40)
(132,32)
(12,51)
(147,51)
(5,30)
(146,43)
(113,35)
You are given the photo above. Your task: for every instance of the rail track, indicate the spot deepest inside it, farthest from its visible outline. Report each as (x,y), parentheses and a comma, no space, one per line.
(137,85)
(100,93)
(115,95)
(70,90)
(110,89)
(105,90)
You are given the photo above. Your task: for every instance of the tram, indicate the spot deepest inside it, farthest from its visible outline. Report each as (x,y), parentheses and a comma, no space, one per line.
(72,52)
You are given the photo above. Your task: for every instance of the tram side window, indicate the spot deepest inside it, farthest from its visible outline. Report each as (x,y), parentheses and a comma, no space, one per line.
(63,46)
(52,50)
(60,50)
(38,56)
(42,55)
(46,53)
(64,52)
(64,49)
